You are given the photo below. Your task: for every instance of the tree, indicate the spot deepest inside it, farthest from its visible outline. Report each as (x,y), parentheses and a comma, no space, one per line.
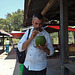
(16,20)
(13,21)
(3,24)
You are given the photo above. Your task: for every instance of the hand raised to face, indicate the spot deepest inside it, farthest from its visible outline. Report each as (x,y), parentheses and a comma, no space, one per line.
(34,33)
(38,29)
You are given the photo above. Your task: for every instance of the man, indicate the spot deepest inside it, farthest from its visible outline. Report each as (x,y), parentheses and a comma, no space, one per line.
(35,61)
(7,42)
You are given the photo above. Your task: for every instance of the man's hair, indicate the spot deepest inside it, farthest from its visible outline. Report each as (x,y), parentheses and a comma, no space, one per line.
(38,15)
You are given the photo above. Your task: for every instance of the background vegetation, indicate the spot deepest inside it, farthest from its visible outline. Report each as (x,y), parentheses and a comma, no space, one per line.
(56,39)
(14,22)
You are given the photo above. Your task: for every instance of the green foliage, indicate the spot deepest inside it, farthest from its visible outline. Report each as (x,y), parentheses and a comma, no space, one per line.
(13,21)
(71,37)
(54,37)
(15,41)
(3,24)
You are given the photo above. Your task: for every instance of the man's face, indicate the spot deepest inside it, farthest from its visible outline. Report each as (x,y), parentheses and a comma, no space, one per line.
(37,23)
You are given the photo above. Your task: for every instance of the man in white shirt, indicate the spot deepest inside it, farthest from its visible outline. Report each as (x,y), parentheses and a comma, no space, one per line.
(35,61)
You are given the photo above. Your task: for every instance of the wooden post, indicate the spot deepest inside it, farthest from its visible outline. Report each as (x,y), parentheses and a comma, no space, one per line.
(3,42)
(74,37)
(64,36)
(25,8)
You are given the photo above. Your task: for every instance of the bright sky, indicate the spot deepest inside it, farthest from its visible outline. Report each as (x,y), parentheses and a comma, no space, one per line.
(9,6)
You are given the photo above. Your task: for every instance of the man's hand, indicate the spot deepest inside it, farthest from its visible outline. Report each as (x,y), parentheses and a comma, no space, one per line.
(41,47)
(34,33)
(44,48)
(26,43)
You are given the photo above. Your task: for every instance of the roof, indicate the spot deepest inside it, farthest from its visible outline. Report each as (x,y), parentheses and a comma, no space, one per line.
(2,32)
(49,8)
(17,34)
(58,28)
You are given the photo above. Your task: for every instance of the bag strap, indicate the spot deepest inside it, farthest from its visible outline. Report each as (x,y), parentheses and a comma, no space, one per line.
(27,38)
(28,33)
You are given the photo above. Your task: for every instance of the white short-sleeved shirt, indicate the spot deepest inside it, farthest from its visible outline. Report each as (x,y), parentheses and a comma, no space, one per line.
(35,58)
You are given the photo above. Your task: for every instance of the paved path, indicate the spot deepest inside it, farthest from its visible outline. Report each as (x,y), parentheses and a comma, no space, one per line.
(9,66)
(8,63)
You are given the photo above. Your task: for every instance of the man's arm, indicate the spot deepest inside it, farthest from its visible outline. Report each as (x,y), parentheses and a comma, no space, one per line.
(26,43)
(45,49)
(48,48)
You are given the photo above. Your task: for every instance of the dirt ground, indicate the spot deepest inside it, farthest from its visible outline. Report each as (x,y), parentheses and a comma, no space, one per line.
(9,66)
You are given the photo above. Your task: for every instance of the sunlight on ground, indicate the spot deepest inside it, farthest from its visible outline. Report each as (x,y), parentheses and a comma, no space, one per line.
(7,65)
(7,69)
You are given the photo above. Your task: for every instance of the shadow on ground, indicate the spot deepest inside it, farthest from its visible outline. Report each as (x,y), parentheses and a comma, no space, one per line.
(53,66)
(12,54)
(16,69)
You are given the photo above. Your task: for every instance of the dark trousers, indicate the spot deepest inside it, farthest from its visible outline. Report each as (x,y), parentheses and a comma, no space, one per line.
(27,72)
